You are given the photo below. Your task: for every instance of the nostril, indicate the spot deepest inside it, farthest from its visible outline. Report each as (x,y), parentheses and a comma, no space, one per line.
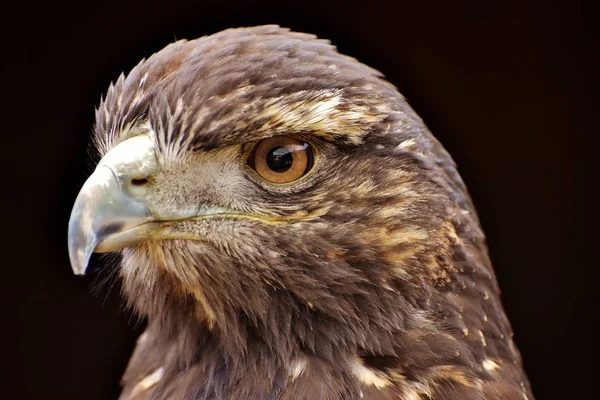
(139,182)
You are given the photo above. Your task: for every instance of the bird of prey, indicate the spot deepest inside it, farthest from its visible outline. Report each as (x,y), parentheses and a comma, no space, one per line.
(291,230)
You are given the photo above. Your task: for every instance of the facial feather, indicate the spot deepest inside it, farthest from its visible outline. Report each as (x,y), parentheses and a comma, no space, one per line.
(370,275)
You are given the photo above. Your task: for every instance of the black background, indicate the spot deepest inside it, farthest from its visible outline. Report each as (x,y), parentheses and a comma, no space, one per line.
(511,89)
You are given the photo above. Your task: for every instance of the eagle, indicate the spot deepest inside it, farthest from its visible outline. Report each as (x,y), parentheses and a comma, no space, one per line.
(290,229)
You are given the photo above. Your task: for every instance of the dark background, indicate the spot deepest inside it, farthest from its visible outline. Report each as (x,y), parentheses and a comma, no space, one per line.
(511,90)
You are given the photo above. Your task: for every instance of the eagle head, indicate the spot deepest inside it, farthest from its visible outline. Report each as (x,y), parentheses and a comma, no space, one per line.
(290,229)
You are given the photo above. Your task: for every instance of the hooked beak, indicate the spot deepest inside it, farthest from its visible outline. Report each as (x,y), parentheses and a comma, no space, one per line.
(114,209)
(109,213)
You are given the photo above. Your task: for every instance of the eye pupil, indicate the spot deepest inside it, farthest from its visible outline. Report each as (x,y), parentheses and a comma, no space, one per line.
(279,159)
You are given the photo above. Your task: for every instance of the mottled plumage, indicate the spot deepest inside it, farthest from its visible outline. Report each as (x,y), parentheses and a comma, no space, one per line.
(367,278)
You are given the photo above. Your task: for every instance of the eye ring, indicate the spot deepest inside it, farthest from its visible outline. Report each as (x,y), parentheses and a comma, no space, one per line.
(281,159)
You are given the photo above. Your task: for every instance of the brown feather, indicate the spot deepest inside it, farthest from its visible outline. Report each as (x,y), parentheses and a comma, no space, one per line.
(373,279)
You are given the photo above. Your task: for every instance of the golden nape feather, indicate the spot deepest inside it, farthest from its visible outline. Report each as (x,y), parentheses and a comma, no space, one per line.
(290,229)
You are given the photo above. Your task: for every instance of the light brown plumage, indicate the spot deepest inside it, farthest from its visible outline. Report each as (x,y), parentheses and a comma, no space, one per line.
(367,277)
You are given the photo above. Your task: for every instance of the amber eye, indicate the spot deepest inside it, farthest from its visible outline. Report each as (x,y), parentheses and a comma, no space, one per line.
(281,159)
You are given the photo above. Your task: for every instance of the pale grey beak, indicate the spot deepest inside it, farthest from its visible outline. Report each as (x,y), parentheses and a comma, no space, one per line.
(110,203)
